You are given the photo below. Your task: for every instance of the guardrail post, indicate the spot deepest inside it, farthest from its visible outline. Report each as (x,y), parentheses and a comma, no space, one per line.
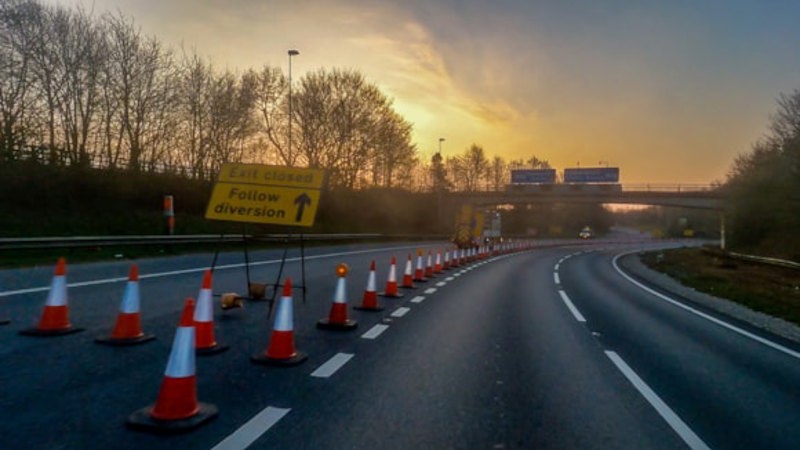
(722,231)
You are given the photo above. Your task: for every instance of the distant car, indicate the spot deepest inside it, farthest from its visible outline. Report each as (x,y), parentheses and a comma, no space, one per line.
(586,233)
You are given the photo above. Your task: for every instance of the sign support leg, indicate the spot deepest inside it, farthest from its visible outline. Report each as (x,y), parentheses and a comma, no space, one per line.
(246,257)
(303,265)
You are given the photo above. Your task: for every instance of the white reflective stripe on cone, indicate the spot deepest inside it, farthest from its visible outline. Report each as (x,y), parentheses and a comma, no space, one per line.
(339,295)
(204,310)
(392,273)
(130,299)
(371,281)
(283,317)
(181,358)
(58,291)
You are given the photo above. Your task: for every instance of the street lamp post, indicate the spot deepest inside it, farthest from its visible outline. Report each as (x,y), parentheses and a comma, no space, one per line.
(291,53)
(439,187)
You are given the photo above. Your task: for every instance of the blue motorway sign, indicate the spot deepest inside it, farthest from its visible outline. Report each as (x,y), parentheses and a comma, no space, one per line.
(533,176)
(592,175)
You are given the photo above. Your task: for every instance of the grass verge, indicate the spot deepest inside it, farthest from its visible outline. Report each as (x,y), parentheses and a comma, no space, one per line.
(764,288)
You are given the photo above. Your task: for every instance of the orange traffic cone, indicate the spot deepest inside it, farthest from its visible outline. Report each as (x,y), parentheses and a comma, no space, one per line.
(281,351)
(446,262)
(437,267)
(391,282)
(408,279)
(454,261)
(55,317)
(419,272)
(177,409)
(370,301)
(337,319)
(128,328)
(205,342)
(429,266)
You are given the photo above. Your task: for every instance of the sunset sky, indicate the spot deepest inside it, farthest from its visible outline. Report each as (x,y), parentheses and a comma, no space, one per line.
(669,91)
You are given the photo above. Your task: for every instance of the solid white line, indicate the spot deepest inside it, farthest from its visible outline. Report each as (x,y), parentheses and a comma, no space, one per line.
(733,328)
(441,284)
(375,331)
(194,270)
(332,365)
(400,312)
(417,299)
(572,308)
(556,278)
(253,429)
(430,290)
(672,419)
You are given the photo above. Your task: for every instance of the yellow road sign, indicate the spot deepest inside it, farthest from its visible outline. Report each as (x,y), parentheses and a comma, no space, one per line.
(255,193)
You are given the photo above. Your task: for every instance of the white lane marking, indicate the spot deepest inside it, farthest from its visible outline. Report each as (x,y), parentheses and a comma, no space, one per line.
(672,419)
(417,299)
(449,279)
(400,312)
(253,429)
(430,290)
(556,278)
(721,323)
(457,274)
(194,270)
(558,265)
(572,308)
(375,331)
(441,284)
(332,365)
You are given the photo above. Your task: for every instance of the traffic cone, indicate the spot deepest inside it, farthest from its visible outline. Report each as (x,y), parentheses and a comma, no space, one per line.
(446,261)
(391,282)
(454,262)
(437,267)
(55,317)
(370,301)
(408,278)
(177,409)
(205,342)
(337,319)
(429,266)
(419,272)
(281,351)
(128,328)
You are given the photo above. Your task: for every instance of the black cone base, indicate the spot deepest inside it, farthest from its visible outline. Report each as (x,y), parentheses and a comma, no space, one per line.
(385,295)
(49,333)
(264,360)
(142,420)
(4,321)
(325,324)
(208,351)
(126,341)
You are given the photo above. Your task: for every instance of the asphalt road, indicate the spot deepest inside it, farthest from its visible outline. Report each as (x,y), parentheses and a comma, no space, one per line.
(548,348)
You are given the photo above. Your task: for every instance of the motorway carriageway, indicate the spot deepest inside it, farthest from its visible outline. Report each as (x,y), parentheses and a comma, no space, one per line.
(551,348)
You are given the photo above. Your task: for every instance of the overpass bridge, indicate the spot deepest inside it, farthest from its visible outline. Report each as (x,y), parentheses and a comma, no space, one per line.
(677,195)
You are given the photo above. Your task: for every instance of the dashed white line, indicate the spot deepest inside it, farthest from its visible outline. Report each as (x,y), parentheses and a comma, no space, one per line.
(332,365)
(441,284)
(672,419)
(417,299)
(557,266)
(430,290)
(375,331)
(556,278)
(449,279)
(400,312)
(571,307)
(253,429)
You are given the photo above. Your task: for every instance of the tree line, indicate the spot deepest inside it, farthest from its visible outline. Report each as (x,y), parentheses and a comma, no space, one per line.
(764,186)
(93,91)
